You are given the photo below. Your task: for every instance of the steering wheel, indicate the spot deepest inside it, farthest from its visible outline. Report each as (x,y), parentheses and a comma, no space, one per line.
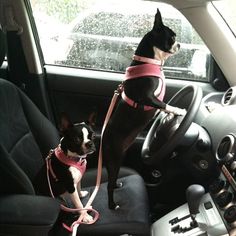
(167,130)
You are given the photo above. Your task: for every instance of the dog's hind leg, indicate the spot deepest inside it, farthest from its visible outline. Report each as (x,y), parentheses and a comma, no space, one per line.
(112,184)
(112,154)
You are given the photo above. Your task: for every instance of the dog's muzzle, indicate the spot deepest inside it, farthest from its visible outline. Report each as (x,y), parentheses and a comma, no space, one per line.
(175,48)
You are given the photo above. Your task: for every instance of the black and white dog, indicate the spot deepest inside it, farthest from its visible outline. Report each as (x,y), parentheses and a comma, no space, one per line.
(67,163)
(142,94)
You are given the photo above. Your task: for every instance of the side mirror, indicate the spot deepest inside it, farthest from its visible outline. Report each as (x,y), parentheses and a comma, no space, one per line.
(199,62)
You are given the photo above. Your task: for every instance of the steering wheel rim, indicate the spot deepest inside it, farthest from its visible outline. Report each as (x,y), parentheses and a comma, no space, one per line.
(153,157)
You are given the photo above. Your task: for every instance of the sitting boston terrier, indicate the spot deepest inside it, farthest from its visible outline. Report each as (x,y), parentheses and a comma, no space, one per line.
(66,164)
(142,94)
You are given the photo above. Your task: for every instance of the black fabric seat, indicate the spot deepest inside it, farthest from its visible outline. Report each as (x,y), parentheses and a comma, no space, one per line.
(26,136)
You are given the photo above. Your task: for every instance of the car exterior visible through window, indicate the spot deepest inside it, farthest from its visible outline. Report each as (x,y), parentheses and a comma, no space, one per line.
(104,37)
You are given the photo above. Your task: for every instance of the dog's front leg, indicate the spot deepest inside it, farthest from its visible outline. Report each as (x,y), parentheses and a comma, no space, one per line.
(75,195)
(151,100)
(76,199)
(78,204)
(175,110)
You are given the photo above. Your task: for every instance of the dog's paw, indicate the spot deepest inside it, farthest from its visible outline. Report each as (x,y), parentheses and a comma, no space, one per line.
(180,112)
(113,206)
(87,218)
(176,110)
(83,194)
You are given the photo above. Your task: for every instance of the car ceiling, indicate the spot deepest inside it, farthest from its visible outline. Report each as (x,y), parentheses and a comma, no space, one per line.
(185,3)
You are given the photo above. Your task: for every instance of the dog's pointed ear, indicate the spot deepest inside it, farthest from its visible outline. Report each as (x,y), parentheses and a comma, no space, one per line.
(65,123)
(92,118)
(158,21)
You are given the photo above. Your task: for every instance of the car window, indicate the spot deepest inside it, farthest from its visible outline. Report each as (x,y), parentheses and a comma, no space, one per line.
(103,35)
(100,24)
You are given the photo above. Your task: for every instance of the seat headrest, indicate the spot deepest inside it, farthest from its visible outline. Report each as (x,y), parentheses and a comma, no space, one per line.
(3,48)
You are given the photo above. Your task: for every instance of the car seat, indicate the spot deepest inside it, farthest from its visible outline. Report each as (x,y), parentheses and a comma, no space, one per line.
(26,136)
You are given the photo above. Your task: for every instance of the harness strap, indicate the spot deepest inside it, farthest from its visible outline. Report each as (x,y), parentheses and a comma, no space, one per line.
(134,104)
(141,71)
(49,166)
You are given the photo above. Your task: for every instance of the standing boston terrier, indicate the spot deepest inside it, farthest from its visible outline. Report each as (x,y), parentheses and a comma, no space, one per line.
(67,163)
(142,95)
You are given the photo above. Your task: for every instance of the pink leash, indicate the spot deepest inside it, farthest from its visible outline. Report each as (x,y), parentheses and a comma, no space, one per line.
(88,207)
(75,225)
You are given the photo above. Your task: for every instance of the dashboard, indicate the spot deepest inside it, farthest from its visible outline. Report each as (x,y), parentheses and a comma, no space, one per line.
(221,127)
(223,189)
(217,207)
(223,193)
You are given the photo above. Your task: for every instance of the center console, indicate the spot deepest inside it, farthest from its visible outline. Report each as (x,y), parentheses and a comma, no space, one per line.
(212,213)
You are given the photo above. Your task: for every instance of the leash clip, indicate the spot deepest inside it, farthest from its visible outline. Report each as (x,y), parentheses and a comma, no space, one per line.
(50,154)
(119,89)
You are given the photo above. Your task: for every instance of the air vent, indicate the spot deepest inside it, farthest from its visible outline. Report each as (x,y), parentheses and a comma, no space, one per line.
(229,96)
(225,148)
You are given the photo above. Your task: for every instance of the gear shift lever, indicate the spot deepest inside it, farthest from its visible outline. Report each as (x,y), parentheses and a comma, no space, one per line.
(194,194)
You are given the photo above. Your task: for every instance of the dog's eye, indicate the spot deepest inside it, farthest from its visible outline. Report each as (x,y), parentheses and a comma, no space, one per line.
(93,136)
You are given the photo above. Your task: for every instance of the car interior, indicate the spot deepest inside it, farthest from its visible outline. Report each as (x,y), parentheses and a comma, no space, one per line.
(186,186)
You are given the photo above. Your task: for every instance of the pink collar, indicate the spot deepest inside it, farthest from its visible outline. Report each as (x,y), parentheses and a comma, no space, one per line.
(70,161)
(148,60)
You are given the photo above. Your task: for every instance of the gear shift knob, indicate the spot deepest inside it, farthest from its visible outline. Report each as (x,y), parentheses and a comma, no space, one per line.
(194,194)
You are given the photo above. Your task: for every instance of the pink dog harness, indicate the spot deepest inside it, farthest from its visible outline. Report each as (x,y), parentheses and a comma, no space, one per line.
(67,160)
(70,161)
(144,70)
(81,166)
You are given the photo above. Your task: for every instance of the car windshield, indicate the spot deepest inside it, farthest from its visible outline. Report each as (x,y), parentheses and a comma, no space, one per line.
(227,10)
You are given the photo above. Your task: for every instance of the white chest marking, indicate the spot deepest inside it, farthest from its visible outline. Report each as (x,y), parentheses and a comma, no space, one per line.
(75,174)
